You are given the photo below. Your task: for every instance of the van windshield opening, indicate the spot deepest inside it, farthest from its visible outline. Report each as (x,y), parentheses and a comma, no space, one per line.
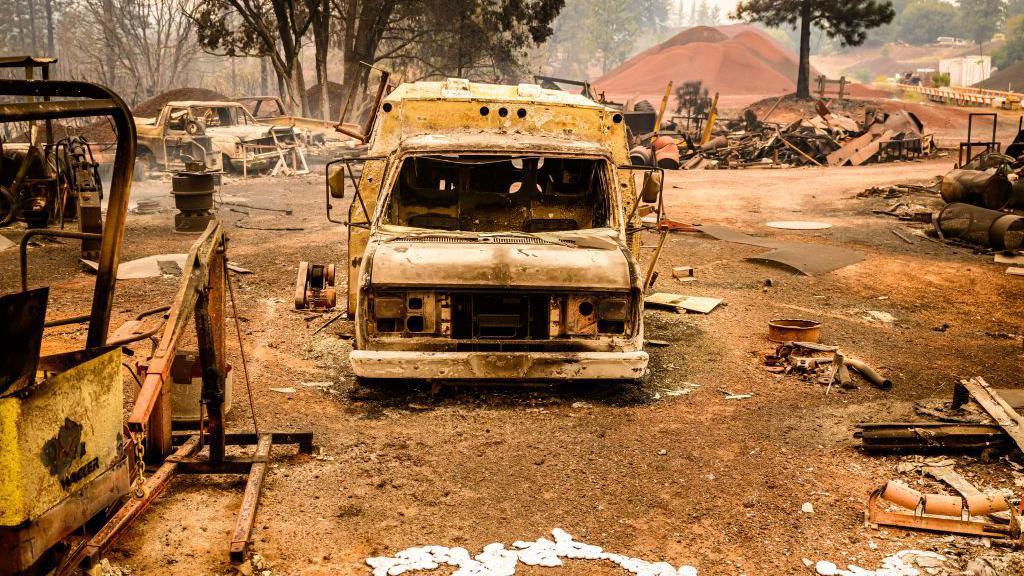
(500,194)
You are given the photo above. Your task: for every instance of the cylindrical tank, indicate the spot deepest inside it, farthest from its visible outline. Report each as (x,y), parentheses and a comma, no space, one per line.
(981,226)
(988,189)
(193,197)
(663,142)
(714,144)
(640,156)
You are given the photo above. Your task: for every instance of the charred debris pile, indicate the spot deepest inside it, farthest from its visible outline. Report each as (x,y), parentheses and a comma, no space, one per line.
(694,138)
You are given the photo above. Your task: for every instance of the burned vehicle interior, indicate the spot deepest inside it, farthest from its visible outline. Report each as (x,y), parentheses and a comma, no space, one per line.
(500,194)
(210,116)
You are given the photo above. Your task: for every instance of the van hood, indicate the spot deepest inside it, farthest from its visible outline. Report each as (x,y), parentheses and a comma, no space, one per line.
(483,261)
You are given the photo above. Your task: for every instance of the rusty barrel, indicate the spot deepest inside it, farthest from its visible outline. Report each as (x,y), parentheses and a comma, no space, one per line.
(714,144)
(988,189)
(641,156)
(663,142)
(667,157)
(981,226)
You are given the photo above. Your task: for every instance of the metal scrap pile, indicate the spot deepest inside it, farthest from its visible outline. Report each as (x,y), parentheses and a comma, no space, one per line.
(984,200)
(826,139)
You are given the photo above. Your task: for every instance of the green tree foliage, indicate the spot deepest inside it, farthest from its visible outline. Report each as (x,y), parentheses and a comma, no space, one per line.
(922,21)
(980,19)
(847,22)
(601,34)
(477,39)
(1013,50)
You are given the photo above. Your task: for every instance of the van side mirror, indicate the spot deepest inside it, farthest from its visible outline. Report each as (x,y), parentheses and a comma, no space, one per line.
(336,179)
(652,188)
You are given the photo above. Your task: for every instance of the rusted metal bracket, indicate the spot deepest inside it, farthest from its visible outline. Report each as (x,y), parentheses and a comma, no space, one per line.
(184,460)
(875,515)
(201,297)
(152,406)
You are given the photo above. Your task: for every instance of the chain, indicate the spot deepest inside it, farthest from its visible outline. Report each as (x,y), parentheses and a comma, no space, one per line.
(139,485)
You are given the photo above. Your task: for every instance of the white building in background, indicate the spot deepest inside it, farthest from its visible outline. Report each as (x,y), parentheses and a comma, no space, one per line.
(967,70)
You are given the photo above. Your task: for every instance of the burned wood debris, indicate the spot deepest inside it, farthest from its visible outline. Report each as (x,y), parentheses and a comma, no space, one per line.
(692,139)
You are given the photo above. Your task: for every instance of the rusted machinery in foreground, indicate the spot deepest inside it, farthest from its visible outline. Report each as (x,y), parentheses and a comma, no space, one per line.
(65,456)
(43,180)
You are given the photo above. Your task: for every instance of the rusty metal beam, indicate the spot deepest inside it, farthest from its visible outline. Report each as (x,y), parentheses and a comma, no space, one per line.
(303,439)
(31,111)
(251,500)
(1005,416)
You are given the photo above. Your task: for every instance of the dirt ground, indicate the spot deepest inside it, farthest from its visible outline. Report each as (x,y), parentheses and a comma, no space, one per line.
(640,470)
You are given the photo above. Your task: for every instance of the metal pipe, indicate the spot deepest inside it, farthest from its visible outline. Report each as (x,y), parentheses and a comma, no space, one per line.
(980,226)
(868,373)
(23,247)
(941,504)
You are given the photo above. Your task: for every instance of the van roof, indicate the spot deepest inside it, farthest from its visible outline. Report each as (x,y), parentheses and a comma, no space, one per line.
(462,89)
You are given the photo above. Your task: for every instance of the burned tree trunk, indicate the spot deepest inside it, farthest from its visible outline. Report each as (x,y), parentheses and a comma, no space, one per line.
(803,79)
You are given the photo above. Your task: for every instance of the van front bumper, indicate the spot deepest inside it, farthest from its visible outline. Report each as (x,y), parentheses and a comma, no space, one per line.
(499,365)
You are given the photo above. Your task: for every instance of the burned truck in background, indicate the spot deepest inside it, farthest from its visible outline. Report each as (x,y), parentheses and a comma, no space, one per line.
(223,135)
(494,235)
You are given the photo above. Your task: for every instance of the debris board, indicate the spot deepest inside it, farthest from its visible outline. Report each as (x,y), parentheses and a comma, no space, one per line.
(729,235)
(682,304)
(5,243)
(148,267)
(1015,271)
(1000,258)
(867,152)
(844,153)
(1005,416)
(811,259)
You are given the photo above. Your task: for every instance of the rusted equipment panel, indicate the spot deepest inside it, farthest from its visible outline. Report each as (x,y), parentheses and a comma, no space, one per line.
(494,236)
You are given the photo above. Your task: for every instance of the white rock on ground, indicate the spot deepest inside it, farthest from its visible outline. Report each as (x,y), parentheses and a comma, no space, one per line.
(902,563)
(496,560)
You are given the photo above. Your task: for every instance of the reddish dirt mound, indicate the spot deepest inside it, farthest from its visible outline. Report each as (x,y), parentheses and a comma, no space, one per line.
(695,34)
(153,105)
(747,63)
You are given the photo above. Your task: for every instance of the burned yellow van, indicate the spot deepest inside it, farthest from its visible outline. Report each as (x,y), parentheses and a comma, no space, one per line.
(493,236)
